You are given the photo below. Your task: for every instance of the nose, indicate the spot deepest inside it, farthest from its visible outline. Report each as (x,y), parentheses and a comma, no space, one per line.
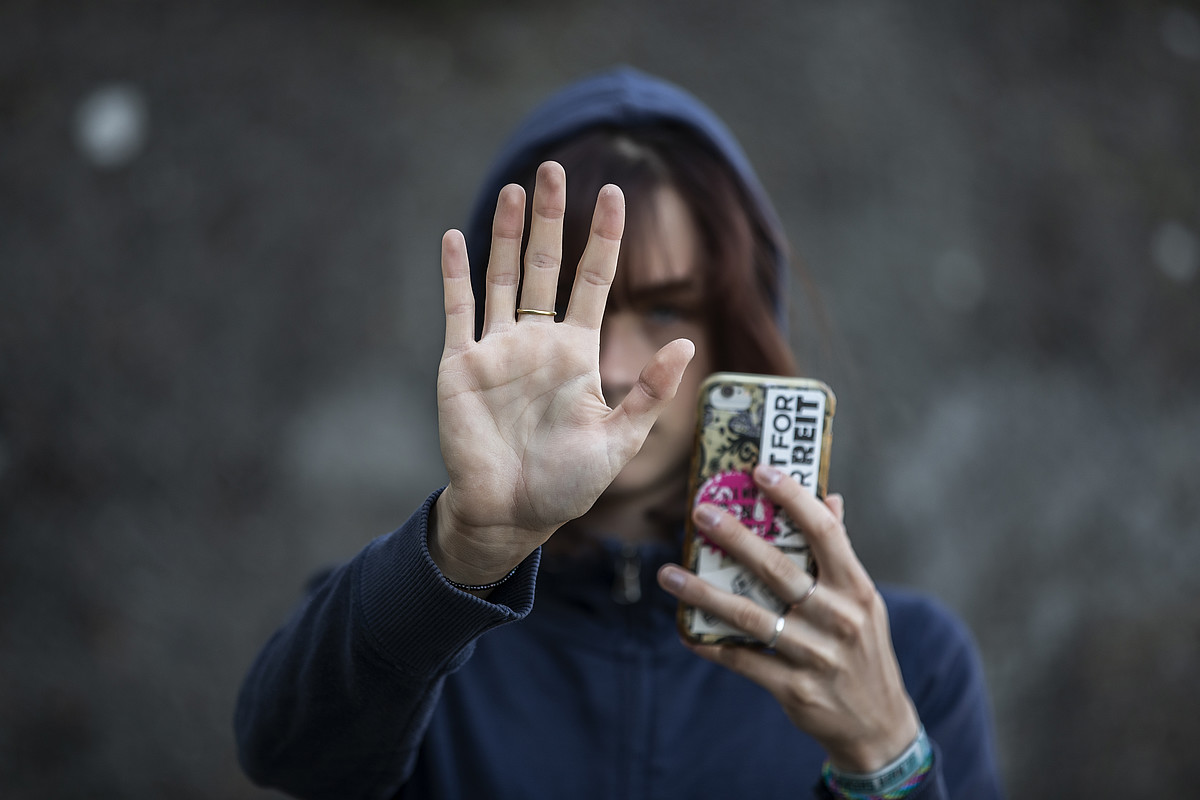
(624,350)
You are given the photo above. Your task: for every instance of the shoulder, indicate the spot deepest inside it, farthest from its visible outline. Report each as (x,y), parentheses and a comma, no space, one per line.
(919,620)
(932,644)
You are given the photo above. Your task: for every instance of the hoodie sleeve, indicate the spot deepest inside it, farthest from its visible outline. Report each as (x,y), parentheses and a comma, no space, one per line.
(338,700)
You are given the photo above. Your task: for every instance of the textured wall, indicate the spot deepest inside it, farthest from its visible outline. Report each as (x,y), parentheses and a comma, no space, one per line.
(219,226)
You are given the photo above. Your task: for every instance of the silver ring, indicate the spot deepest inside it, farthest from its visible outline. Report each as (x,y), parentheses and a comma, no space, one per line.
(812,588)
(779,623)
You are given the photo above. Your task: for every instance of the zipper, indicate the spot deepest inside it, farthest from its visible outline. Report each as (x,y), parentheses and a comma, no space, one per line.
(627,585)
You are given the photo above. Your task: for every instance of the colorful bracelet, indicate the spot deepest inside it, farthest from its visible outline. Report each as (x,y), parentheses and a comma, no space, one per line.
(892,782)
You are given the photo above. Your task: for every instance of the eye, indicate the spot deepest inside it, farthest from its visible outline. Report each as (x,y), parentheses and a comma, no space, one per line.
(664,314)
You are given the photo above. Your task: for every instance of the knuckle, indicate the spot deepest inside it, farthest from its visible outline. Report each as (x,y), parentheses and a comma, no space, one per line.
(797,693)
(502,278)
(866,595)
(552,211)
(511,232)
(847,623)
(777,569)
(828,527)
(827,666)
(745,617)
(823,661)
(879,611)
(608,232)
(539,260)
(793,694)
(595,278)
(651,390)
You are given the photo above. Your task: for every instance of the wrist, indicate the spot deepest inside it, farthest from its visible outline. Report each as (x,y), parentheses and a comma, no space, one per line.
(866,754)
(457,552)
(893,780)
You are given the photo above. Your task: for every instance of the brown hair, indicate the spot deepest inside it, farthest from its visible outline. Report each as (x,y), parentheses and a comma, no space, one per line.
(742,288)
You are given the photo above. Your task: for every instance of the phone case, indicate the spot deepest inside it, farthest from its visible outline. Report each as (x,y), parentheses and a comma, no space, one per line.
(743,420)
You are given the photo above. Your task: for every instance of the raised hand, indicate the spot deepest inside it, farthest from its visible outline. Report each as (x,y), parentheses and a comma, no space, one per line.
(526,436)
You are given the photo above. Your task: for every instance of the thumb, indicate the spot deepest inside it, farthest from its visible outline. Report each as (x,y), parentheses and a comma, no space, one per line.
(654,390)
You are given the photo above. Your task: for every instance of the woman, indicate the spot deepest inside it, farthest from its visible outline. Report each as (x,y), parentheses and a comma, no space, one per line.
(422,668)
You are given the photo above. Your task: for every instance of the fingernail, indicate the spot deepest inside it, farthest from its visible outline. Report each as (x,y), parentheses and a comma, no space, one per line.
(708,516)
(671,578)
(768,476)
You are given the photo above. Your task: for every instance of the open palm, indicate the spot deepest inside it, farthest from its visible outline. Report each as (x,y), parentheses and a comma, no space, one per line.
(527,439)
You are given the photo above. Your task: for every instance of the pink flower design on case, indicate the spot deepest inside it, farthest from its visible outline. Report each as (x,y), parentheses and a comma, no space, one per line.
(735,492)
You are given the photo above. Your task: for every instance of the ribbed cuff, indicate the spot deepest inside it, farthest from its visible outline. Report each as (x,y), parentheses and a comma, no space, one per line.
(416,620)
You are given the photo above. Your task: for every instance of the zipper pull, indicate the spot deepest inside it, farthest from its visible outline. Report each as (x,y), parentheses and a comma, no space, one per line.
(627,587)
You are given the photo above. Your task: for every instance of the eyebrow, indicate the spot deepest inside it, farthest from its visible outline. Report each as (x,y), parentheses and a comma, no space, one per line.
(688,287)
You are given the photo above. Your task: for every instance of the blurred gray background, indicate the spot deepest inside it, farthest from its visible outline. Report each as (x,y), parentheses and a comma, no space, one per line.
(219,331)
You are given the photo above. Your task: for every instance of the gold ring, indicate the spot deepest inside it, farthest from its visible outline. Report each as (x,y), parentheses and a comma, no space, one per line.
(536,311)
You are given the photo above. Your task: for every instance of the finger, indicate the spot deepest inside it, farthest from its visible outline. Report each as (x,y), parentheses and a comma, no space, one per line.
(802,640)
(837,504)
(504,260)
(456,291)
(823,530)
(740,612)
(786,579)
(599,262)
(776,675)
(655,388)
(543,254)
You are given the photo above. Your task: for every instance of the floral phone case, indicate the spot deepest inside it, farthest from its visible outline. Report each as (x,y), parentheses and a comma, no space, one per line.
(744,420)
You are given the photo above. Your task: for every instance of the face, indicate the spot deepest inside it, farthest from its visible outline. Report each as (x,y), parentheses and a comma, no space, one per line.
(665,302)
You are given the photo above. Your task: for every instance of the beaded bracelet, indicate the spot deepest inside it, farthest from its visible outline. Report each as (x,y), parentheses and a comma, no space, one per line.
(892,782)
(466,587)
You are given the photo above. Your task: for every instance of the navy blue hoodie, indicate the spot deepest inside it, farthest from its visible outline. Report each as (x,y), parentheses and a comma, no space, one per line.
(388,682)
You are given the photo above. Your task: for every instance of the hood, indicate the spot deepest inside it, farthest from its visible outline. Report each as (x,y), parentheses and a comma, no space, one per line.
(622,97)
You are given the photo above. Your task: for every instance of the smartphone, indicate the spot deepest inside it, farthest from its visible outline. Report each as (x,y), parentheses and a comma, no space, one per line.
(744,420)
